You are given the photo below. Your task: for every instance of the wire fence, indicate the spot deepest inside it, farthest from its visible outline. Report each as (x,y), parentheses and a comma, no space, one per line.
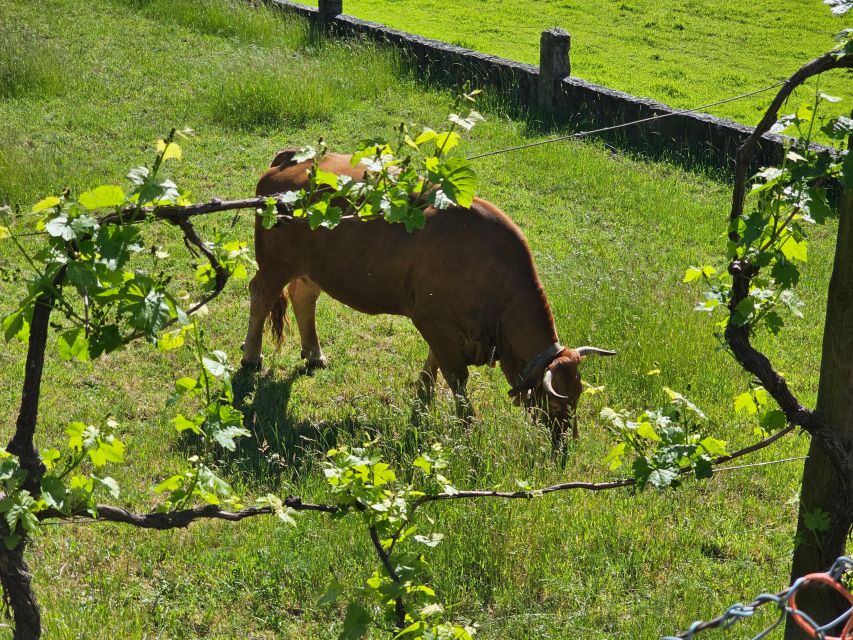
(786,604)
(572,136)
(252,204)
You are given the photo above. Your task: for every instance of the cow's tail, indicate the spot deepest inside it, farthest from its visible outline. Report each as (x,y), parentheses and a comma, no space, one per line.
(278,318)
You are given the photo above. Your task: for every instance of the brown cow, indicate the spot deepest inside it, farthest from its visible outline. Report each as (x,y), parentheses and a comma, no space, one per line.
(466,280)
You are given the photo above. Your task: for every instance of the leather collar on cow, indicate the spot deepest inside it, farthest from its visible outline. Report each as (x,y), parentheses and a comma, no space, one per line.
(535,366)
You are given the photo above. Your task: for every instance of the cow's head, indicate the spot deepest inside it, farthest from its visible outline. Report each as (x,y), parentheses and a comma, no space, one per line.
(555,388)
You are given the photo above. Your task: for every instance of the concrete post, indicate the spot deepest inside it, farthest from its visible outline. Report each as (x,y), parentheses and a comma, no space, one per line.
(330,8)
(554,65)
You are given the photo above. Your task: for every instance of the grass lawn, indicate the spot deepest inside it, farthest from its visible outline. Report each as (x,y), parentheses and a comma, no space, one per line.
(684,53)
(96,83)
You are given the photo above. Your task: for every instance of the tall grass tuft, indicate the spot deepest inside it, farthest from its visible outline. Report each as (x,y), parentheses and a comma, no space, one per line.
(22,172)
(27,66)
(225,18)
(360,70)
(296,88)
(255,96)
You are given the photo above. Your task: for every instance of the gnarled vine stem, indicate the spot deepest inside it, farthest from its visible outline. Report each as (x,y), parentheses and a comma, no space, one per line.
(14,573)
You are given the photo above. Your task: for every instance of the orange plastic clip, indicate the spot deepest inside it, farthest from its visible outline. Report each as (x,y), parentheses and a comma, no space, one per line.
(823,578)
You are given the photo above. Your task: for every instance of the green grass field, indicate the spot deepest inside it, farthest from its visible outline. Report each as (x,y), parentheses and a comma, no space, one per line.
(612,236)
(684,53)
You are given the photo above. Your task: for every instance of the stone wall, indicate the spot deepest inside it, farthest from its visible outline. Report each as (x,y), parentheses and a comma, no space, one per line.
(692,137)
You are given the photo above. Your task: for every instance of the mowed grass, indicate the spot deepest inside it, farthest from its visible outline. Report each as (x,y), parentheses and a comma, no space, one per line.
(684,53)
(612,236)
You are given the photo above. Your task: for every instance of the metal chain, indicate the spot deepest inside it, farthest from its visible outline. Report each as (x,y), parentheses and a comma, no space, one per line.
(785,603)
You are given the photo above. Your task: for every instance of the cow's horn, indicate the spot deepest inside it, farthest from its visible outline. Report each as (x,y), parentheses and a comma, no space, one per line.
(594,351)
(549,386)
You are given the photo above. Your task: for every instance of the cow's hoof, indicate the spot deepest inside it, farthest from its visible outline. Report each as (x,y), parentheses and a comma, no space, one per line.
(317,363)
(314,360)
(250,364)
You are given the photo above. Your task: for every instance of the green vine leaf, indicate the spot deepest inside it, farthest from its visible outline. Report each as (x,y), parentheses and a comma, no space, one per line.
(457,180)
(73,345)
(357,622)
(46,203)
(168,150)
(817,520)
(102,197)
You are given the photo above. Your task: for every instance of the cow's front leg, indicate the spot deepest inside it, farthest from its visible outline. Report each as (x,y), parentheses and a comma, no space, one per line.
(303,294)
(426,380)
(446,351)
(425,388)
(457,379)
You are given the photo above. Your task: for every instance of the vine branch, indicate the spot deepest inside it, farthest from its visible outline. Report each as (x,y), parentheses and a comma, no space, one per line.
(744,153)
(22,444)
(184,517)
(192,239)
(177,213)
(399,608)
(179,519)
(594,486)
(743,271)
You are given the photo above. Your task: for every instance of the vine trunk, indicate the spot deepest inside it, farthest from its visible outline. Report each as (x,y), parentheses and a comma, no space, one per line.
(15,577)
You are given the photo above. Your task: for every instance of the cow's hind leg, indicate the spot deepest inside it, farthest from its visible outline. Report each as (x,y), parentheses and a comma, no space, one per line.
(303,294)
(265,296)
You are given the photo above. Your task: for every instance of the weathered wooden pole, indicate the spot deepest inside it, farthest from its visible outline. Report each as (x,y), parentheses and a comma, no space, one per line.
(330,8)
(818,549)
(554,65)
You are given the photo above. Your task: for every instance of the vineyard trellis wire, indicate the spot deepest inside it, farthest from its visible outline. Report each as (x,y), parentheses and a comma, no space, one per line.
(176,213)
(786,603)
(585,134)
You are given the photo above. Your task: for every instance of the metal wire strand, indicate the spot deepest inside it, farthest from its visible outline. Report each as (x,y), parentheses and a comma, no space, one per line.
(583,134)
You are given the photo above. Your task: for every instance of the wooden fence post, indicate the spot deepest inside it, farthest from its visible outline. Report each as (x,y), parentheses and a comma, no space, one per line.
(820,486)
(554,65)
(330,8)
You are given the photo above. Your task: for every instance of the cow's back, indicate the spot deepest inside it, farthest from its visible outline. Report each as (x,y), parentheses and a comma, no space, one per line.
(465,265)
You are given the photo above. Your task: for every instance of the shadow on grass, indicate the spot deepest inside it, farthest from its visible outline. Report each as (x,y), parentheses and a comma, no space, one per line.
(283,448)
(278,444)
